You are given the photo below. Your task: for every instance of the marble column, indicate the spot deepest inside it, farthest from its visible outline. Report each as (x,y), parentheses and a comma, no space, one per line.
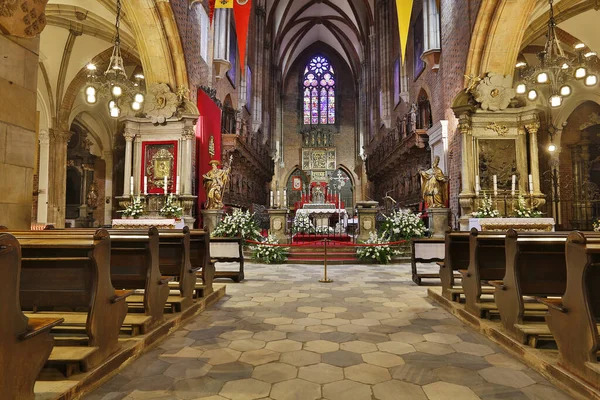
(533,129)
(108,187)
(57,182)
(42,211)
(129,135)
(188,138)
(137,163)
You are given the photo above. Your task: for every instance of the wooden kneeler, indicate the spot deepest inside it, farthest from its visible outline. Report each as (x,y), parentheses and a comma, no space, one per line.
(25,343)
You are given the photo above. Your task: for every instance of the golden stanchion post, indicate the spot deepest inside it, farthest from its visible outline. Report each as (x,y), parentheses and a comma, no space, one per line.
(325,279)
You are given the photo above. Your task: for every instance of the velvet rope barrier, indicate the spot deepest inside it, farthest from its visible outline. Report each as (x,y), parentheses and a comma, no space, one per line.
(322,241)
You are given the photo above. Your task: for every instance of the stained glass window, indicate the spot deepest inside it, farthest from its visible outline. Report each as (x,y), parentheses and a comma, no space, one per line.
(319,92)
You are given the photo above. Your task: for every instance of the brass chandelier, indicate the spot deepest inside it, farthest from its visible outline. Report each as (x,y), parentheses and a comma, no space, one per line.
(114,83)
(555,70)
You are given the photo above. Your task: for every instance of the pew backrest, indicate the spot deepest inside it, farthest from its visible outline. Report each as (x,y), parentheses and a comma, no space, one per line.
(12,319)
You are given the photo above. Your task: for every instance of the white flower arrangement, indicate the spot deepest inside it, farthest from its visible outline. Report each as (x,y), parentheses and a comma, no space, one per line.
(269,254)
(324,230)
(522,211)
(596,225)
(302,224)
(381,254)
(134,209)
(486,209)
(403,224)
(239,224)
(171,208)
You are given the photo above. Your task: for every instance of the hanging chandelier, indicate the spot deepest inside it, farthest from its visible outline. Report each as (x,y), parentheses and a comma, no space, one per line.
(114,83)
(555,70)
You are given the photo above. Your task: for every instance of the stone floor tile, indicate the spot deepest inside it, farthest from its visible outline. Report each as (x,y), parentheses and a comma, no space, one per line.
(197,387)
(259,357)
(321,373)
(365,322)
(458,376)
(300,358)
(153,395)
(188,369)
(336,321)
(473,349)
(278,321)
(149,383)
(382,359)
(448,391)
(396,348)
(231,371)
(334,310)
(247,344)
(245,389)
(489,391)
(504,361)
(506,377)
(341,358)
(543,392)
(366,373)
(290,328)
(237,335)
(338,337)
(444,338)
(304,336)
(414,374)
(352,328)
(296,389)
(451,329)
(220,356)
(397,390)
(269,336)
(139,370)
(176,343)
(283,346)
(321,315)
(321,328)
(467,361)
(275,372)
(321,346)
(437,349)
(309,310)
(346,390)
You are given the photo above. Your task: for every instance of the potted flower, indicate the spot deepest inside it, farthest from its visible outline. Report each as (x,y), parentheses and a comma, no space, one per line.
(486,209)
(239,224)
(380,254)
(134,209)
(171,208)
(269,254)
(403,224)
(302,224)
(522,211)
(596,225)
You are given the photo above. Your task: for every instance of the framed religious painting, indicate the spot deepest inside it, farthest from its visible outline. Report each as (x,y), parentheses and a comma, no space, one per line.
(418,64)
(159,161)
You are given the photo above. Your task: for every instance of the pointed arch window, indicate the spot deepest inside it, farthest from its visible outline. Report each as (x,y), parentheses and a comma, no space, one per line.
(318,87)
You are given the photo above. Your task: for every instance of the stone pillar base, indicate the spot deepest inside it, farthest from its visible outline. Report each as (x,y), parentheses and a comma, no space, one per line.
(438,221)
(278,218)
(211,219)
(367,212)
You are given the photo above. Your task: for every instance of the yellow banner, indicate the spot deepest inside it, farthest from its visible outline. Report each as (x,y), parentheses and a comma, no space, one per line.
(404,9)
(224,4)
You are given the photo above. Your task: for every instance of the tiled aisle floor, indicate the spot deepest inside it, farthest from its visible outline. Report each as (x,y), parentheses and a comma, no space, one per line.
(372,334)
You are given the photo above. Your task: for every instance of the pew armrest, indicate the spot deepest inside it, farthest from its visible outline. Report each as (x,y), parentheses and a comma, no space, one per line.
(36,326)
(464,273)
(195,269)
(165,279)
(441,264)
(497,284)
(555,304)
(121,295)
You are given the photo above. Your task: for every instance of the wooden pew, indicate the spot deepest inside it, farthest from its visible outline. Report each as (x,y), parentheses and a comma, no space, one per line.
(456,258)
(174,251)
(486,262)
(25,343)
(425,250)
(573,319)
(73,272)
(200,259)
(535,267)
(228,250)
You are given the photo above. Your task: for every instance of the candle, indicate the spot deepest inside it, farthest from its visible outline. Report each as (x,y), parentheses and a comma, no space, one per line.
(495,179)
(477,188)
(131,185)
(530,183)
(514,183)
(165,186)
(145,184)
(177,185)
(278,197)
(271,201)
(285,198)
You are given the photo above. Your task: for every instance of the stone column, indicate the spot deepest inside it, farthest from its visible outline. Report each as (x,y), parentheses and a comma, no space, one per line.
(438,221)
(211,219)
(188,137)
(257,74)
(467,195)
(129,135)
(533,129)
(57,182)
(108,187)
(42,211)
(367,212)
(137,163)
(278,224)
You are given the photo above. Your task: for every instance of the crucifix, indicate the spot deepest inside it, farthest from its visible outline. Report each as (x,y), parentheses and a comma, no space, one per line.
(340,180)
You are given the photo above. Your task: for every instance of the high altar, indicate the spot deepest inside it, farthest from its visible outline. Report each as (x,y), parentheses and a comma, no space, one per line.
(321,204)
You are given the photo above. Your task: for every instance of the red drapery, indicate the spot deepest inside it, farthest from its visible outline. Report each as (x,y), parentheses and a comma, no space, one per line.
(209,124)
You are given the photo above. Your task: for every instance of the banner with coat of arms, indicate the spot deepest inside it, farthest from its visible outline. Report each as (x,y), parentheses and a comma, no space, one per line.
(297,183)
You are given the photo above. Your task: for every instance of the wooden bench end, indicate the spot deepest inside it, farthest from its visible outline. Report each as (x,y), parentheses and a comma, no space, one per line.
(555,304)
(121,295)
(497,284)
(36,326)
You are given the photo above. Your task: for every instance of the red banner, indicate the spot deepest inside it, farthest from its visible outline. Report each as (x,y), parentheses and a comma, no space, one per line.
(208,140)
(211,10)
(241,14)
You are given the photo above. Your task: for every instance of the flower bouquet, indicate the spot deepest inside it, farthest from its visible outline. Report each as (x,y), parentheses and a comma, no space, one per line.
(134,209)
(381,254)
(402,224)
(302,224)
(171,208)
(486,209)
(239,224)
(269,254)
(522,211)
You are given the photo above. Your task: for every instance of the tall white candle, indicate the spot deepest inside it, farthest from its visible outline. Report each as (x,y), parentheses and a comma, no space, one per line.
(131,185)
(530,183)
(165,186)
(278,197)
(271,199)
(495,179)
(285,198)
(177,185)
(514,184)
(477,188)
(145,184)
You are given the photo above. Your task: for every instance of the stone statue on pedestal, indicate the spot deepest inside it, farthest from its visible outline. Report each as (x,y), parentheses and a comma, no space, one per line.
(215,182)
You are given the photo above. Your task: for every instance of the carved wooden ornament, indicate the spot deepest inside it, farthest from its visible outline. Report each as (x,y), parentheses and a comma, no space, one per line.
(22,18)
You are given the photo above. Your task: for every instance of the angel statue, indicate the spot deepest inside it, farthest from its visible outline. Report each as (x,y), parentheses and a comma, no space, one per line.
(434,185)
(215,182)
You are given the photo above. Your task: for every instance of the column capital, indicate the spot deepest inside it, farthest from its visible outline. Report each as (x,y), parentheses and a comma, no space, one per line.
(533,127)
(188,133)
(44,137)
(464,124)
(129,135)
(57,135)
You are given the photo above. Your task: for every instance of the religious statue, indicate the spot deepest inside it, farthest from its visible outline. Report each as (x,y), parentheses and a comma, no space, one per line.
(215,182)
(413,117)
(434,185)
(92,197)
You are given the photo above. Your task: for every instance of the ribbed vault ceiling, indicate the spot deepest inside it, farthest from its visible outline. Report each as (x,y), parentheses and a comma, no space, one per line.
(342,24)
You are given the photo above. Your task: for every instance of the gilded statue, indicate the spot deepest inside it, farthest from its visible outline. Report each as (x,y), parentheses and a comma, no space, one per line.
(92,197)
(434,185)
(215,182)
